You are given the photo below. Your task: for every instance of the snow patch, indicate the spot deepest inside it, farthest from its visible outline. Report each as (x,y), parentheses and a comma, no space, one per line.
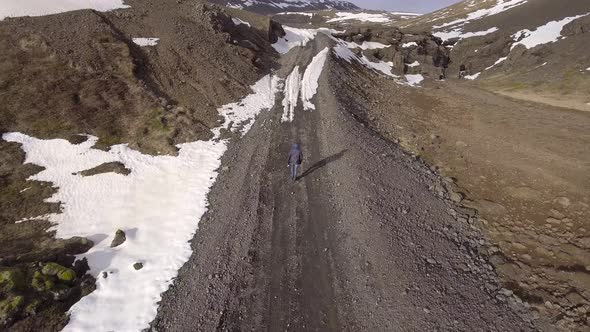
(298,37)
(365,45)
(294,37)
(548,33)
(414,80)
(414,64)
(458,25)
(146,41)
(472,77)
(243,113)
(501,6)
(291,92)
(297,13)
(363,17)
(159,206)
(237,22)
(497,63)
(410,44)
(342,51)
(458,33)
(17,8)
(405,14)
(309,84)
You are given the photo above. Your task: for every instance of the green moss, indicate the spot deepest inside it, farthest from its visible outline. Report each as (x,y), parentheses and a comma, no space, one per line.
(42,283)
(105,141)
(157,121)
(33,308)
(67,275)
(45,126)
(52,269)
(11,307)
(12,280)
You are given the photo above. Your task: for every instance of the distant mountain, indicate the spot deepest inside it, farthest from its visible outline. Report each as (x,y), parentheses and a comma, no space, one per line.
(276,6)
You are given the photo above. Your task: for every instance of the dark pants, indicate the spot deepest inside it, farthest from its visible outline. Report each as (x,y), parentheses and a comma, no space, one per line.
(294,168)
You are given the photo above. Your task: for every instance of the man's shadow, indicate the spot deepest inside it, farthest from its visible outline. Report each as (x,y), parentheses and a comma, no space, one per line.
(322,163)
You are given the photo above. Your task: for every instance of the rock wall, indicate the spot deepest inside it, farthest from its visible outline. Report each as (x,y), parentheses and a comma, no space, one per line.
(404,50)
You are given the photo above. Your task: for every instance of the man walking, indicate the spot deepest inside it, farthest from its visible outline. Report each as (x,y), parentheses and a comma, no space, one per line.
(295,160)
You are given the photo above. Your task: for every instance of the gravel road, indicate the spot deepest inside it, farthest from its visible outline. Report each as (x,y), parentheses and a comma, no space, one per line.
(359,243)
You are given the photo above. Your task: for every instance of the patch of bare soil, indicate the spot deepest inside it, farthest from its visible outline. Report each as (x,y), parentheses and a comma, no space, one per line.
(525,167)
(581,102)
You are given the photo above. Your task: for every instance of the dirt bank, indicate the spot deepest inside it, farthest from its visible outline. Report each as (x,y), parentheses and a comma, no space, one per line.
(523,166)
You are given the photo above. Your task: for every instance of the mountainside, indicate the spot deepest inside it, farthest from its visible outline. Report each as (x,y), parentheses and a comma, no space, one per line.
(143,178)
(276,6)
(532,49)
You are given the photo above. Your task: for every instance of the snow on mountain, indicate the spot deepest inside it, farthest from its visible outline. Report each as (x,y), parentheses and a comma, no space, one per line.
(548,33)
(276,6)
(455,28)
(363,17)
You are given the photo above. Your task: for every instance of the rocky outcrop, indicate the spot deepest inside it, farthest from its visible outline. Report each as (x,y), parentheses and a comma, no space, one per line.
(276,6)
(577,27)
(275,31)
(37,291)
(410,53)
(119,238)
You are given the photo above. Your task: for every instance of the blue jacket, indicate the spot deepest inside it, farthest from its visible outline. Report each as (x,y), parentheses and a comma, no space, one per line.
(295,155)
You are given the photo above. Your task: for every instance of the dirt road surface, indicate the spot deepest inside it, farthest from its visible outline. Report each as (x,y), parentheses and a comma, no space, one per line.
(359,243)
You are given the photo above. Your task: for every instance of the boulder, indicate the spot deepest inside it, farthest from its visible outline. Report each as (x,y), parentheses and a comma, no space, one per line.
(66,275)
(119,239)
(62,273)
(10,309)
(41,282)
(12,280)
(138,266)
(577,27)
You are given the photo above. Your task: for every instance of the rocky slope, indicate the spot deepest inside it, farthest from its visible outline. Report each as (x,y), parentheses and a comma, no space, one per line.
(490,38)
(82,72)
(276,6)
(409,53)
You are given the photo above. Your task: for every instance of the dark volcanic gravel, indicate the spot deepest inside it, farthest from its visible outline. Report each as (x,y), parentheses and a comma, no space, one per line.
(359,243)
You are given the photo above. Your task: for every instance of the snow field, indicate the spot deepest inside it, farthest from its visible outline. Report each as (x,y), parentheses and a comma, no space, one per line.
(158,205)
